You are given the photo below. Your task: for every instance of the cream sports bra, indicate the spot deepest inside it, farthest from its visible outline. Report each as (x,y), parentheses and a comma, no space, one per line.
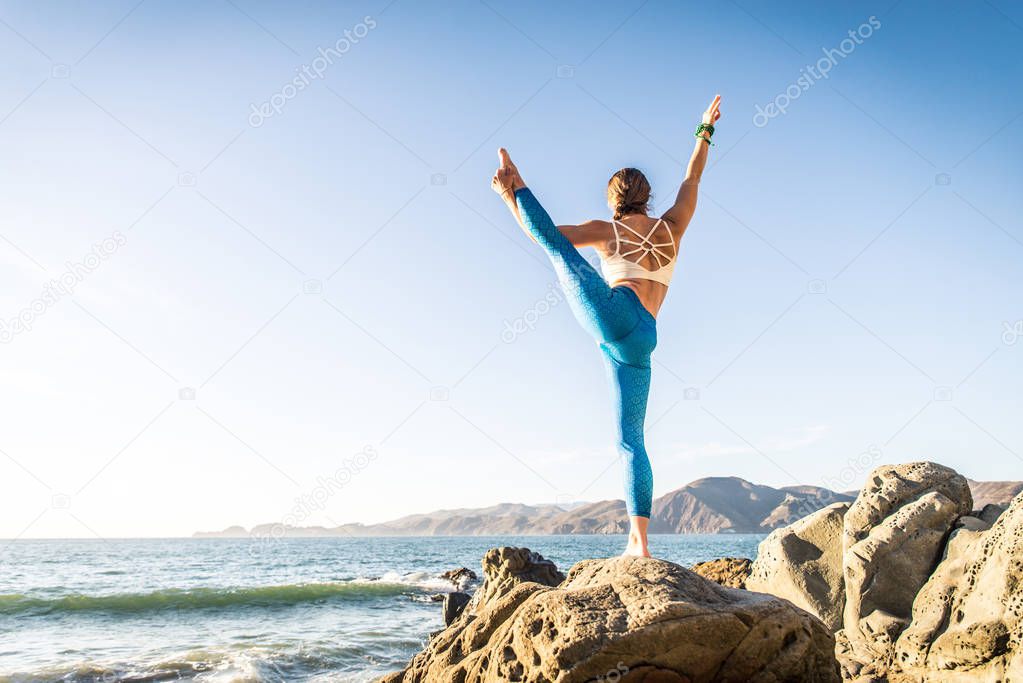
(617,266)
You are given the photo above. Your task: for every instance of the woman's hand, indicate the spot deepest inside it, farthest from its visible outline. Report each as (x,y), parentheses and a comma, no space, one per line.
(713,112)
(506,178)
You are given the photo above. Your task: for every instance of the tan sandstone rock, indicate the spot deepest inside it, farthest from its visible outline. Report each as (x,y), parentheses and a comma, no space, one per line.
(803,564)
(505,568)
(889,487)
(894,535)
(633,620)
(730,572)
(968,619)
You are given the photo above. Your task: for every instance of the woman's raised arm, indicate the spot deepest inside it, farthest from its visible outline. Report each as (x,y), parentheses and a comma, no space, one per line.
(684,207)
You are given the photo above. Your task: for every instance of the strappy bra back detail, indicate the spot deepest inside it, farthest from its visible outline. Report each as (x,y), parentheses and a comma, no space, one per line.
(632,248)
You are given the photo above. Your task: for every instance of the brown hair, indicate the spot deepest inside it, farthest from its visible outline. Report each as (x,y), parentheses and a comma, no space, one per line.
(628,191)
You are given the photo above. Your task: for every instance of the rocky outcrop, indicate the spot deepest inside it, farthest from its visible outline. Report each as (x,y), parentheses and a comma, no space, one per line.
(968,619)
(730,572)
(894,534)
(803,564)
(463,577)
(454,605)
(627,619)
(920,590)
(932,593)
(506,568)
(889,487)
(991,512)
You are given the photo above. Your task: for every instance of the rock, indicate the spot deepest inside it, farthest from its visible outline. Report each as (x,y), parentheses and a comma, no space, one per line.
(506,568)
(454,603)
(893,536)
(803,564)
(626,619)
(968,619)
(933,602)
(730,572)
(991,512)
(461,577)
(889,487)
(971,523)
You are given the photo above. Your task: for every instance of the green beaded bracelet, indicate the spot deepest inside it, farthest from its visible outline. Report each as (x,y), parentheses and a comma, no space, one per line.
(710,132)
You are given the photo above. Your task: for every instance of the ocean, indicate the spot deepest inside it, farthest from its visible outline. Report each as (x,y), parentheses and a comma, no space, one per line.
(323,609)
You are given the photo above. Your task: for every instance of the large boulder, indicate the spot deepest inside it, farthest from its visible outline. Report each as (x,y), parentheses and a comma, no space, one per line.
(803,564)
(730,572)
(633,620)
(893,534)
(968,619)
(889,487)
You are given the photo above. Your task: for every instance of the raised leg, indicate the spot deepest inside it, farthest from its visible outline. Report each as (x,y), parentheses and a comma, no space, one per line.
(603,312)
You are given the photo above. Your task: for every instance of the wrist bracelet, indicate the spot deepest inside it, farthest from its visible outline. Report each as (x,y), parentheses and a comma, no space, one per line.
(710,132)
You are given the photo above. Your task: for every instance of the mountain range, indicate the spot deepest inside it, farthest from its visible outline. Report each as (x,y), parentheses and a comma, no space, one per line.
(712,505)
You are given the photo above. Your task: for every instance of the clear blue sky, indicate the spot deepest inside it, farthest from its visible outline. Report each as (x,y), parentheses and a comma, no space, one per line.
(317,279)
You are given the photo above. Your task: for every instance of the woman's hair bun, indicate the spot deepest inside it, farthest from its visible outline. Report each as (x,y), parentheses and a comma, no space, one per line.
(628,191)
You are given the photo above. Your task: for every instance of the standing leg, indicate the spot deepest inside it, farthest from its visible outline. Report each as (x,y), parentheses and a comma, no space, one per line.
(630,387)
(628,367)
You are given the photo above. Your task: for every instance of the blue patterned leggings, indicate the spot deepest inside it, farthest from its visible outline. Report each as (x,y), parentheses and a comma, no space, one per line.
(626,333)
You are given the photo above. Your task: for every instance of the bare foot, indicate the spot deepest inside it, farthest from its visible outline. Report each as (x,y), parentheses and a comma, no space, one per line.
(637,537)
(637,547)
(506,178)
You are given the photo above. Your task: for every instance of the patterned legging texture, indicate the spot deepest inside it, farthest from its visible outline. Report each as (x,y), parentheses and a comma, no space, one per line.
(626,334)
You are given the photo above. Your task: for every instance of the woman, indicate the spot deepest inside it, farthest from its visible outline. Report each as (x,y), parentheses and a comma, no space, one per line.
(638,255)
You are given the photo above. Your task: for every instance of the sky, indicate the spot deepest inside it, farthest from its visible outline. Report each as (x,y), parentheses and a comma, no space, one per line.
(252,271)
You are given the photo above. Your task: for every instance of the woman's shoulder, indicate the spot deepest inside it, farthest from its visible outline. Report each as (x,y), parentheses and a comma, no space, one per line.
(641,223)
(596,227)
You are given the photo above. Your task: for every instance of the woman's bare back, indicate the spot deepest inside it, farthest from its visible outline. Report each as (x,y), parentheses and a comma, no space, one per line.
(628,241)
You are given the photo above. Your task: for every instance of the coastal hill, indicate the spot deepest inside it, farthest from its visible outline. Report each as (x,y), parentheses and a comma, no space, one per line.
(706,506)
(997,492)
(711,505)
